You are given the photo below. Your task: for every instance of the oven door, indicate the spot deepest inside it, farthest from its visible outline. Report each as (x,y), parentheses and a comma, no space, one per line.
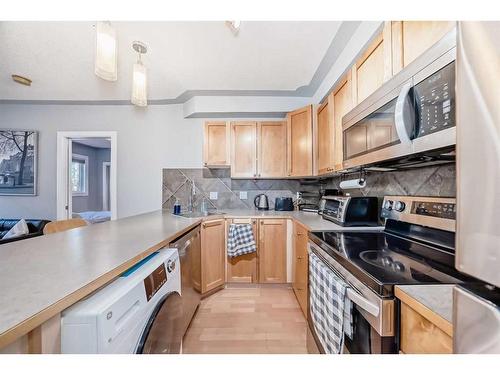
(373,317)
(382,131)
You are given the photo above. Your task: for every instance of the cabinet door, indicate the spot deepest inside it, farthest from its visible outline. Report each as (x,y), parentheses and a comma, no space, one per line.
(216,144)
(272,251)
(271,147)
(412,38)
(243,149)
(243,269)
(300,151)
(374,67)
(300,266)
(325,138)
(342,104)
(213,254)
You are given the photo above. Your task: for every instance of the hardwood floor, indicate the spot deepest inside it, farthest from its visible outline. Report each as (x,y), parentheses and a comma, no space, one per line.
(253,319)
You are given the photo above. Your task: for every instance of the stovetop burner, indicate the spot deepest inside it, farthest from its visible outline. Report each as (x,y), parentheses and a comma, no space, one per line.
(381,260)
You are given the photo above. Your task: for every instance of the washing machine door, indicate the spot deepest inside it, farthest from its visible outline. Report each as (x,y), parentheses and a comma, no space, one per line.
(164,330)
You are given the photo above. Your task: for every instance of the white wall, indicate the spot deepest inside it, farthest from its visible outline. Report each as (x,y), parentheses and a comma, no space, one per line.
(148,140)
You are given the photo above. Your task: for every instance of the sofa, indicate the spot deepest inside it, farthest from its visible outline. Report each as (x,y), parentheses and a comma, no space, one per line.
(35,227)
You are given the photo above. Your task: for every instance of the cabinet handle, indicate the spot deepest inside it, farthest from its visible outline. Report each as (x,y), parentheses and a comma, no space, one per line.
(300,289)
(206,163)
(300,258)
(255,175)
(254,221)
(300,234)
(204,225)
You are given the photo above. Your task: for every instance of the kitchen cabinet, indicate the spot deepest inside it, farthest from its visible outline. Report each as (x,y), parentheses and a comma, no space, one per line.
(258,149)
(300,142)
(374,67)
(325,138)
(300,266)
(421,336)
(342,103)
(244,149)
(412,38)
(213,254)
(272,251)
(271,149)
(216,148)
(243,269)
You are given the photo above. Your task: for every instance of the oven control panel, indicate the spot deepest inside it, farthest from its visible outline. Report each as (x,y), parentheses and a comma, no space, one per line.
(435,209)
(434,212)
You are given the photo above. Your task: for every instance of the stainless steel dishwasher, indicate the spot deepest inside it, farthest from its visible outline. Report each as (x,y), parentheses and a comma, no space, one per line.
(172,319)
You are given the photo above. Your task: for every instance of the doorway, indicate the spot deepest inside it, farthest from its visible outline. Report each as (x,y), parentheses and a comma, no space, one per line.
(86,176)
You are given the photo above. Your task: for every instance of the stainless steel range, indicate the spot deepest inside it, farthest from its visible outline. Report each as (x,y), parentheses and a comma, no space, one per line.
(417,246)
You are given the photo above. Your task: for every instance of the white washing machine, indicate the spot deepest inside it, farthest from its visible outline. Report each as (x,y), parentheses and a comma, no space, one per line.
(137,313)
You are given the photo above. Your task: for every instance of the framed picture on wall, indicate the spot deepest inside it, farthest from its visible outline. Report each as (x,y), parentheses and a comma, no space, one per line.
(18,162)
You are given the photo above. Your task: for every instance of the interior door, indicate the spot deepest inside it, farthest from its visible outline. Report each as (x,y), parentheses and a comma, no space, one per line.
(69,189)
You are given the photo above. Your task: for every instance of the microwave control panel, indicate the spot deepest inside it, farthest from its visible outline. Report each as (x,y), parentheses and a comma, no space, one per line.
(435,101)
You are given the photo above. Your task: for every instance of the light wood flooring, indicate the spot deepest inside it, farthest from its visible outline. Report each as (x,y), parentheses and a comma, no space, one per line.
(254,319)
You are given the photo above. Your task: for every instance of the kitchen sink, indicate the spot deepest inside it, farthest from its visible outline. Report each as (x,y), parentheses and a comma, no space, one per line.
(196,214)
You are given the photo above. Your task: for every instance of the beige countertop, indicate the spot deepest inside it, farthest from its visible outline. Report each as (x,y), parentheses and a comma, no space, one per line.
(434,302)
(41,276)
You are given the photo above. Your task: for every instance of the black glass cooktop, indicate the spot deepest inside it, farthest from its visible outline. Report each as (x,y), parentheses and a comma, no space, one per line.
(381,260)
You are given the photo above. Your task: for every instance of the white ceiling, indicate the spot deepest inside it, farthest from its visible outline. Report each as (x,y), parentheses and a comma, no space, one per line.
(95,142)
(182,56)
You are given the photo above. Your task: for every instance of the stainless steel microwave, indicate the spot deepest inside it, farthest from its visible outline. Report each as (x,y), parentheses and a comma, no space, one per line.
(413,113)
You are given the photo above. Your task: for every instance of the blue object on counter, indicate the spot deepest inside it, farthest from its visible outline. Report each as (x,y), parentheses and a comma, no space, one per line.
(177,207)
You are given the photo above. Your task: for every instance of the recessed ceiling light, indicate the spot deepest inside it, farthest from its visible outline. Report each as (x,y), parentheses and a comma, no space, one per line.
(22,80)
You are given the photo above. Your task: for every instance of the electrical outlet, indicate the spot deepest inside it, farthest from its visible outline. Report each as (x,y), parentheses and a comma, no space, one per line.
(243,195)
(214,195)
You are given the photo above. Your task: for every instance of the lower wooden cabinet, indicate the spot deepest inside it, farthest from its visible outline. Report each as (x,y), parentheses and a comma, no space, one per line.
(421,336)
(243,269)
(272,251)
(213,254)
(300,266)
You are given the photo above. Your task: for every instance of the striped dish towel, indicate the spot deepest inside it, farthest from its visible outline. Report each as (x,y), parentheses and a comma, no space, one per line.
(330,307)
(240,240)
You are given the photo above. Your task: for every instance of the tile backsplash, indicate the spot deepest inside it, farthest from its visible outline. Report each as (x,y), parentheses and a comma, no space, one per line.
(177,183)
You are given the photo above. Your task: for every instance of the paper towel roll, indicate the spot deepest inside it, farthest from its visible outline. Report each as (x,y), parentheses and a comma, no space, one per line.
(353,184)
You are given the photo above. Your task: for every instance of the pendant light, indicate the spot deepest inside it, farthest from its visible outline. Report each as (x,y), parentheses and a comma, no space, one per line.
(105,52)
(139,77)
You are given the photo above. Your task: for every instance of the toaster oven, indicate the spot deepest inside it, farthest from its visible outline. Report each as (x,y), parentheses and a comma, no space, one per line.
(351,211)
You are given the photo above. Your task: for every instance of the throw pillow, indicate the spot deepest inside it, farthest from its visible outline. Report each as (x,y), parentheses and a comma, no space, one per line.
(20,229)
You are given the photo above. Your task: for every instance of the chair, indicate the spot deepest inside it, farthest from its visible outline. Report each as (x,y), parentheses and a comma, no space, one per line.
(62,225)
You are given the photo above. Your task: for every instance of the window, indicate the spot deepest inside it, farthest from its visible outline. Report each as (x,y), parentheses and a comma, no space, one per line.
(80,175)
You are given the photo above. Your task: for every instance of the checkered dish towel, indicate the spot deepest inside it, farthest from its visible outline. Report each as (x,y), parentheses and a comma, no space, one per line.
(240,240)
(331,309)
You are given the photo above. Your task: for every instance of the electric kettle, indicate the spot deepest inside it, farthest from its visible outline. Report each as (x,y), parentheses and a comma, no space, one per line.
(261,202)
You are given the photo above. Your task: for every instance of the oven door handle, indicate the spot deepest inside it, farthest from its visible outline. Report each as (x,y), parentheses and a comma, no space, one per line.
(362,302)
(399,114)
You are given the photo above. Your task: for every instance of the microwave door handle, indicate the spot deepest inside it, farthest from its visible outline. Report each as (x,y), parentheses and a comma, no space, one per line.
(399,116)
(362,302)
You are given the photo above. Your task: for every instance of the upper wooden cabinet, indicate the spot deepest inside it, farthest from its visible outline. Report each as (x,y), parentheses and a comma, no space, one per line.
(243,269)
(325,137)
(374,67)
(342,103)
(213,254)
(300,142)
(216,144)
(272,251)
(258,149)
(412,38)
(244,149)
(271,146)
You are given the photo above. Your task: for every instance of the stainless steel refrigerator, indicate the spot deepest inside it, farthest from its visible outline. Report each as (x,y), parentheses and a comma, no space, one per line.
(476,315)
